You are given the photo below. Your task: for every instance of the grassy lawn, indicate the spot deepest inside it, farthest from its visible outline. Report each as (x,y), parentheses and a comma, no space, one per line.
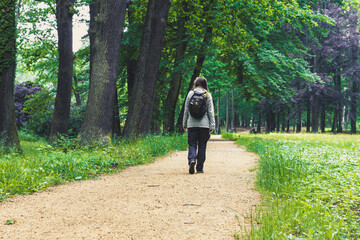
(310,185)
(42,165)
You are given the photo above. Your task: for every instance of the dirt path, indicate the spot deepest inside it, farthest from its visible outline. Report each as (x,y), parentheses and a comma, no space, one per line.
(155,201)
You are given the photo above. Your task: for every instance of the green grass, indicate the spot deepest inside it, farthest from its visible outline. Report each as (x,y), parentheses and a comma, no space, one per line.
(310,185)
(42,165)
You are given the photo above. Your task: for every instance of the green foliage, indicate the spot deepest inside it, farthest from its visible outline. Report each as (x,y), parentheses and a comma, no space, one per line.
(7,33)
(310,184)
(37,51)
(42,165)
(40,108)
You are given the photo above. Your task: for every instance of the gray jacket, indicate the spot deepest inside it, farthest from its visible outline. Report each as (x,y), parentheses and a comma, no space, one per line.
(208,120)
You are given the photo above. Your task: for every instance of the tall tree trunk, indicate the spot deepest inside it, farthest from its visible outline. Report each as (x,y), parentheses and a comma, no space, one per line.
(131,63)
(8,131)
(76,91)
(323,118)
(131,72)
(156,116)
(283,124)
(218,116)
(278,122)
(308,116)
(227,113)
(338,112)
(139,116)
(232,112)
(273,121)
(294,124)
(353,110)
(298,124)
(288,125)
(347,118)
(18,7)
(98,119)
(61,115)
(333,128)
(268,111)
(176,77)
(354,92)
(258,128)
(93,10)
(315,115)
(116,131)
(198,66)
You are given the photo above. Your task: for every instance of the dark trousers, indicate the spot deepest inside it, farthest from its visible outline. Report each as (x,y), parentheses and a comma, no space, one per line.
(197,139)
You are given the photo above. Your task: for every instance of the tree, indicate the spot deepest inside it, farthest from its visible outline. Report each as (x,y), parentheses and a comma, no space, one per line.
(177,75)
(98,119)
(142,99)
(8,130)
(64,13)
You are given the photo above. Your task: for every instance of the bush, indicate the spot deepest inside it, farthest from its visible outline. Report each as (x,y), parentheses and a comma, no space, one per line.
(40,107)
(23,92)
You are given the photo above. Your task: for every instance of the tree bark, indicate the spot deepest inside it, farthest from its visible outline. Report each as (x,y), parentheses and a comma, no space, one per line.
(353,110)
(268,111)
(8,131)
(131,63)
(298,124)
(76,92)
(232,112)
(227,125)
(323,118)
(283,124)
(354,92)
(335,120)
(98,119)
(131,72)
(315,115)
(138,120)
(338,112)
(116,131)
(93,10)
(308,116)
(278,122)
(61,115)
(218,116)
(176,77)
(258,129)
(156,116)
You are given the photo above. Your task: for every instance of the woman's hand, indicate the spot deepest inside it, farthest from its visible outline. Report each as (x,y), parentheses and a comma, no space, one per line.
(184,129)
(211,131)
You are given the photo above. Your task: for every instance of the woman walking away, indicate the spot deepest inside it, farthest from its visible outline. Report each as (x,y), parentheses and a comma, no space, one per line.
(199,119)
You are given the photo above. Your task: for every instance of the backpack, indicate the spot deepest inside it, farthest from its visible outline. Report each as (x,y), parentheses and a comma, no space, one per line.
(197,105)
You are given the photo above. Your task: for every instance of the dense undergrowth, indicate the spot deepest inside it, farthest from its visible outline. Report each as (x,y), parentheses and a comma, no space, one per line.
(310,184)
(42,165)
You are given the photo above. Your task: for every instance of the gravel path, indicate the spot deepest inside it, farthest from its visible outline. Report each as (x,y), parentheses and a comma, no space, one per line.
(156,201)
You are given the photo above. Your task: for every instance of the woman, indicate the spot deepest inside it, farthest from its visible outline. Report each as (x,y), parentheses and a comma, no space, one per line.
(199,128)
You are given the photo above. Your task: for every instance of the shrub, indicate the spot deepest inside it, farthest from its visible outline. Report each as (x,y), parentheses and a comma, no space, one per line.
(40,107)
(23,92)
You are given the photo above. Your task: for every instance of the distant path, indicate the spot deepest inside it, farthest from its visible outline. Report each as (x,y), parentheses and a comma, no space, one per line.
(156,201)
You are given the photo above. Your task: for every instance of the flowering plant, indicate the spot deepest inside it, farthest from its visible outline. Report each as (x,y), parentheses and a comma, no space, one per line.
(23,93)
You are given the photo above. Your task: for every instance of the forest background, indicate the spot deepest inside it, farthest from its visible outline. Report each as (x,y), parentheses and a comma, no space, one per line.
(278,66)
(282,65)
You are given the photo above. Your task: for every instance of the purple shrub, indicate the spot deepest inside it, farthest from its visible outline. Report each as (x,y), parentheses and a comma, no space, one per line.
(23,92)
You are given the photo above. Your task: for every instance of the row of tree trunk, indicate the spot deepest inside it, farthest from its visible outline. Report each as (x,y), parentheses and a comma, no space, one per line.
(316,118)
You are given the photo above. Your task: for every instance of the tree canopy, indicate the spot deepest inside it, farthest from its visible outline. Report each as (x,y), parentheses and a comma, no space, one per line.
(281,58)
